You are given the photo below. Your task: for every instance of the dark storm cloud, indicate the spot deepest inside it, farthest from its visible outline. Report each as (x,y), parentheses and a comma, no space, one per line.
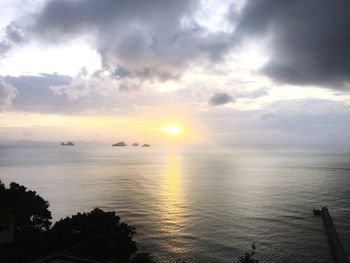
(220,98)
(309,40)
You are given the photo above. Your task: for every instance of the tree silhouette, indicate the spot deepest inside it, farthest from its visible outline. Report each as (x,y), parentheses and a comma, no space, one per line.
(29,214)
(29,210)
(97,234)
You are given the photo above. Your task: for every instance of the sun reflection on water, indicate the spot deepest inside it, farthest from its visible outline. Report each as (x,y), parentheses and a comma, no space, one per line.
(172,212)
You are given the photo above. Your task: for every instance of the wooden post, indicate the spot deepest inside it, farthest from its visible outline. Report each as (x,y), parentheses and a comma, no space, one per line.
(337,248)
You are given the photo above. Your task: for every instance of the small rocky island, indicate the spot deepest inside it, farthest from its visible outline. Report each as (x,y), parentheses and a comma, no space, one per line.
(120,144)
(67,144)
(146,145)
(135,144)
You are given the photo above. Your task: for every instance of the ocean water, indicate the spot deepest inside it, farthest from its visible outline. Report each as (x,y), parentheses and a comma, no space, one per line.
(199,204)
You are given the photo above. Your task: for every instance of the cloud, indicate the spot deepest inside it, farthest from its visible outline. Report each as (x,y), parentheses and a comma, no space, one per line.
(138,39)
(157,40)
(127,34)
(98,85)
(290,122)
(257,93)
(220,98)
(309,40)
(128,88)
(311,121)
(82,94)
(81,86)
(121,73)
(268,116)
(13,36)
(7,93)
(34,94)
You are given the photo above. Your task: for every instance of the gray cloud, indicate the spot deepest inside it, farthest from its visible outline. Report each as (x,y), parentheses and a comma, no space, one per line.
(78,87)
(33,93)
(311,121)
(53,93)
(309,40)
(150,39)
(292,122)
(156,40)
(252,94)
(147,39)
(121,73)
(7,93)
(146,73)
(128,88)
(220,98)
(268,116)
(13,36)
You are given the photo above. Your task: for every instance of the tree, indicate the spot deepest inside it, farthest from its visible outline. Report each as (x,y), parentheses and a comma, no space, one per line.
(29,214)
(97,233)
(29,210)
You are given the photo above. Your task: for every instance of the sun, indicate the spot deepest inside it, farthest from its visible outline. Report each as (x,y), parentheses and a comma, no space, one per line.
(172,130)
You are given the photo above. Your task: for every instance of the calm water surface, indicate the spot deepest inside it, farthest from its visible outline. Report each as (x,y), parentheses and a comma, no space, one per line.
(199,204)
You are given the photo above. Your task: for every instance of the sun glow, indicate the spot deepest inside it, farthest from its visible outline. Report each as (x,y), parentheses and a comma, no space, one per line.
(172,130)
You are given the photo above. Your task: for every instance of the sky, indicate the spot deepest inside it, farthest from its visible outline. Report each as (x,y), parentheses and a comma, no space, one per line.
(186,71)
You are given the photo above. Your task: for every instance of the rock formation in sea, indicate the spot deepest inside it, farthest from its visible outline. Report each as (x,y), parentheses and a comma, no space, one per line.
(119,144)
(67,144)
(135,144)
(146,145)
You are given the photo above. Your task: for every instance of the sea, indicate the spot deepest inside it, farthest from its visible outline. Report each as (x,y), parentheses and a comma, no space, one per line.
(198,203)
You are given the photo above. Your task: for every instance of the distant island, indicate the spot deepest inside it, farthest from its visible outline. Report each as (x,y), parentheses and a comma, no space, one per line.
(122,144)
(67,144)
(119,144)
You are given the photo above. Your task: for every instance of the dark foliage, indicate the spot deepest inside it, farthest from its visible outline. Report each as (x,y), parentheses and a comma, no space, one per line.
(29,210)
(29,215)
(2,187)
(97,234)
